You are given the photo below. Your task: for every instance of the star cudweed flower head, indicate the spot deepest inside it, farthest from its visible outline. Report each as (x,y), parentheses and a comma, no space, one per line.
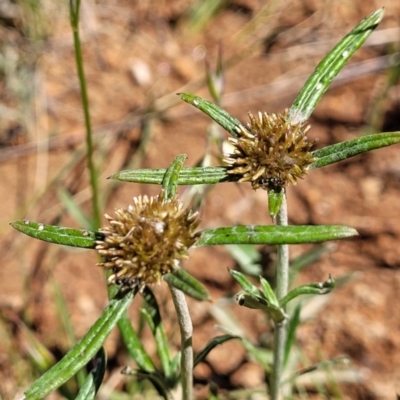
(146,240)
(270,151)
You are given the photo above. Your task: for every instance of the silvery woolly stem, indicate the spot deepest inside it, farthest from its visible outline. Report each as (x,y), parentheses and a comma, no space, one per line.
(186,328)
(282,283)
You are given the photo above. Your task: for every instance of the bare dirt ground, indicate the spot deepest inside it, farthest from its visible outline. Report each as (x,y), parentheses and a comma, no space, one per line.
(137,56)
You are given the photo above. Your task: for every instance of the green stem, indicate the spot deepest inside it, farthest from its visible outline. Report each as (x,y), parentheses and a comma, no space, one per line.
(74,17)
(186,328)
(282,285)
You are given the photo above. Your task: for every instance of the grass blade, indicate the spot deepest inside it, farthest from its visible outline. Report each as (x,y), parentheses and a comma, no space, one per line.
(259,234)
(73,209)
(247,257)
(329,67)
(291,332)
(203,353)
(80,354)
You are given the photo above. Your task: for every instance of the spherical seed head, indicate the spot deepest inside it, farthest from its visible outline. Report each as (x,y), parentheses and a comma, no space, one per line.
(270,152)
(147,240)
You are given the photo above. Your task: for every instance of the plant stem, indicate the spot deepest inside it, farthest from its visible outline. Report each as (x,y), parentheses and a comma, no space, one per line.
(282,284)
(186,328)
(74,17)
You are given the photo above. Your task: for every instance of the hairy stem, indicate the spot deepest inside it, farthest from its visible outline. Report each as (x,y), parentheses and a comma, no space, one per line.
(74,18)
(282,284)
(186,328)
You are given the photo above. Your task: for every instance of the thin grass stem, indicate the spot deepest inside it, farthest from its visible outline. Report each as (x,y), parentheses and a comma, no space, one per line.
(186,328)
(282,285)
(74,17)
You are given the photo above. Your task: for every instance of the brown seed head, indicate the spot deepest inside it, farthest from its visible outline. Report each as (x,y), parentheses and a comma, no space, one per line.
(270,151)
(147,240)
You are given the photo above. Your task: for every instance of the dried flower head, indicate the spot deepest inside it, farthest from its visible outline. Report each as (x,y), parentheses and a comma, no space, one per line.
(270,151)
(147,240)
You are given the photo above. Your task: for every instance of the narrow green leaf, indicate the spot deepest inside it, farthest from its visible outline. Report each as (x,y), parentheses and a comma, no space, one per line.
(203,353)
(247,256)
(309,288)
(158,331)
(260,303)
(95,378)
(329,67)
(274,202)
(188,284)
(39,355)
(294,322)
(187,176)
(74,210)
(170,180)
(342,151)
(268,292)
(309,257)
(262,355)
(244,283)
(80,354)
(220,116)
(321,365)
(268,234)
(154,377)
(176,368)
(134,345)
(58,234)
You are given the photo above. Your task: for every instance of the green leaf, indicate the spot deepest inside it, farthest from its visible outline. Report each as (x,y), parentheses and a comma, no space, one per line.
(294,322)
(215,79)
(73,209)
(268,234)
(59,235)
(80,354)
(268,292)
(262,355)
(342,151)
(247,256)
(220,116)
(187,283)
(329,67)
(245,284)
(153,318)
(134,345)
(203,353)
(154,377)
(170,180)
(260,303)
(274,202)
(187,176)
(308,258)
(321,365)
(176,367)
(309,288)
(95,378)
